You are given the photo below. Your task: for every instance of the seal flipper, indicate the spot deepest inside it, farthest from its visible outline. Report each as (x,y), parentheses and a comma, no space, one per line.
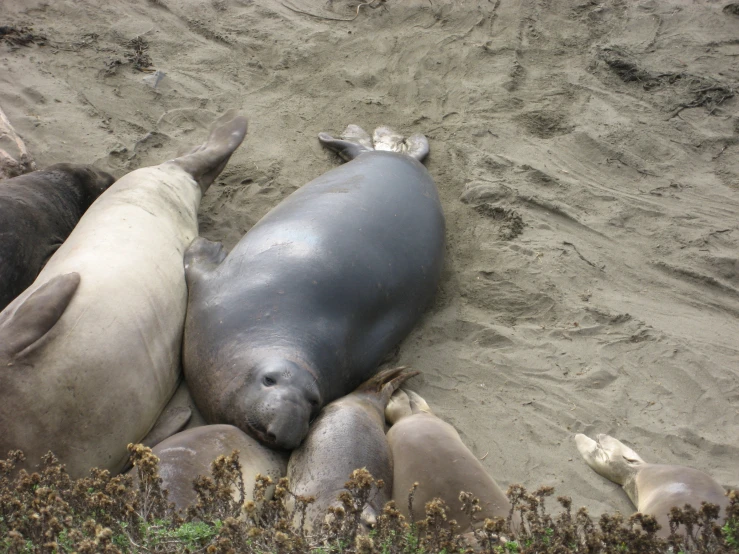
(355,141)
(205,162)
(613,460)
(405,403)
(173,420)
(346,149)
(202,257)
(36,315)
(385,383)
(170,422)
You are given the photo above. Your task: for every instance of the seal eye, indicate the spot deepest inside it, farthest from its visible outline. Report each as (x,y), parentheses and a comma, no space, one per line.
(269,381)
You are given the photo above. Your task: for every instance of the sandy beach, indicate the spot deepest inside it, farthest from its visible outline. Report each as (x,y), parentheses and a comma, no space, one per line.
(586,154)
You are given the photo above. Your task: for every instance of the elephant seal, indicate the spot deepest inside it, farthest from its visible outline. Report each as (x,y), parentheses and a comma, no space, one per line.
(189,454)
(315,295)
(653,488)
(429,451)
(348,434)
(38,210)
(90,352)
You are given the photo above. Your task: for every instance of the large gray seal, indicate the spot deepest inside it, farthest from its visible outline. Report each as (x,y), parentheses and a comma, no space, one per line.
(349,434)
(653,488)
(90,352)
(317,293)
(429,452)
(188,454)
(38,210)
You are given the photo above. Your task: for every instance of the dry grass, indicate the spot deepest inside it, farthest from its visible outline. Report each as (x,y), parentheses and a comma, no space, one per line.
(46,511)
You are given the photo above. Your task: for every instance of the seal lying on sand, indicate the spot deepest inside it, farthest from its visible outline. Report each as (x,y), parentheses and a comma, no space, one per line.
(38,210)
(90,352)
(347,435)
(189,454)
(428,451)
(653,488)
(316,294)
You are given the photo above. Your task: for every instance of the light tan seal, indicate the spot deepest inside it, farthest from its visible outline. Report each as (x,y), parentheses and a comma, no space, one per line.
(188,454)
(653,488)
(429,451)
(348,434)
(90,352)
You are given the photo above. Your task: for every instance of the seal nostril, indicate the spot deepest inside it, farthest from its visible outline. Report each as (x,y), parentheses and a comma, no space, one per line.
(271,436)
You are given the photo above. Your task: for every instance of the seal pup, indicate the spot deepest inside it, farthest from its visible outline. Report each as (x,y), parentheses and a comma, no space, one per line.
(38,210)
(429,451)
(314,296)
(348,434)
(653,488)
(90,352)
(188,454)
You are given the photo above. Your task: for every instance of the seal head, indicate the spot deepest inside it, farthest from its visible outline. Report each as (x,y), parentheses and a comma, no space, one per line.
(276,401)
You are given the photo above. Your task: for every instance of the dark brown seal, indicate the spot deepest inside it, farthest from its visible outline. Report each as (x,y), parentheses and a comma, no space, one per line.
(38,211)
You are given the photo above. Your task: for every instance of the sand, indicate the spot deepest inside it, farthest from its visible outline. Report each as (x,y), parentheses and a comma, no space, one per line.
(587,157)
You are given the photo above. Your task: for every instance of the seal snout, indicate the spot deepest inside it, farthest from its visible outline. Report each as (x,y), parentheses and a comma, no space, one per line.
(289,400)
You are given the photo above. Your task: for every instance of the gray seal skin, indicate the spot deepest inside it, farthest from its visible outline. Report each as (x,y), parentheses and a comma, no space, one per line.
(188,454)
(312,299)
(429,451)
(38,210)
(348,434)
(90,352)
(653,488)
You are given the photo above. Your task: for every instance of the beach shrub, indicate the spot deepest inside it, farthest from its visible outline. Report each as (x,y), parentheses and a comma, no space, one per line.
(46,511)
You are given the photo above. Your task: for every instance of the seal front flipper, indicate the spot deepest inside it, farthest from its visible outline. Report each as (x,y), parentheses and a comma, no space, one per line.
(202,257)
(35,316)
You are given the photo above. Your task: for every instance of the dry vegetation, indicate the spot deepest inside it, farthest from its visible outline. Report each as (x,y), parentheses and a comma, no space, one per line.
(46,511)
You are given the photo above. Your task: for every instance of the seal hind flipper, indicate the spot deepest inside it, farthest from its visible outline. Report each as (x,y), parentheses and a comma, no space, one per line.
(346,149)
(416,146)
(201,257)
(398,407)
(36,315)
(355,141)
(386,382)
(418,404)
(206,161)
(172,420)
(609,457)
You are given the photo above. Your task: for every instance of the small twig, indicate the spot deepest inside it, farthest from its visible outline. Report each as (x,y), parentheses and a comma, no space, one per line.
(485,456)
(331,18)
(583,258)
